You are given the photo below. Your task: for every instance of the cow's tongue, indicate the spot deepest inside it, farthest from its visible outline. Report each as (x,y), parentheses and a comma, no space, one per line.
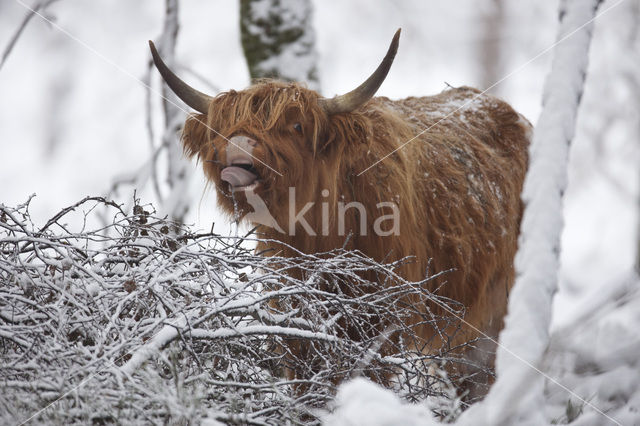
(237,176)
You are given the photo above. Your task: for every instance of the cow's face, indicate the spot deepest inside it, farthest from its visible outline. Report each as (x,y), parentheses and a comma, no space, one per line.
(269,138)
(258,142)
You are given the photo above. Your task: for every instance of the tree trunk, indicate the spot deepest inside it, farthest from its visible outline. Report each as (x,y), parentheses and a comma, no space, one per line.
(279,41)
(516,397)
(176,202)
(491,49)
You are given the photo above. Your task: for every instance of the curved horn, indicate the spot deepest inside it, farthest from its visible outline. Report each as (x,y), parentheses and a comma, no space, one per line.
(190,96)
(361,94)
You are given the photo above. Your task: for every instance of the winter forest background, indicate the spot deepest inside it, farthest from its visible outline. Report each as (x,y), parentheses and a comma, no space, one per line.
(76,120)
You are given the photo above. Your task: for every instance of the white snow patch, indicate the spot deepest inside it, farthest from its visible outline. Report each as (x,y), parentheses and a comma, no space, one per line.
(361,402)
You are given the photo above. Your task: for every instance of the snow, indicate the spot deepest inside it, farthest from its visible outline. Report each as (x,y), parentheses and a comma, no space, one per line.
(596,356)
(159,340)
(361,402)
(261,329)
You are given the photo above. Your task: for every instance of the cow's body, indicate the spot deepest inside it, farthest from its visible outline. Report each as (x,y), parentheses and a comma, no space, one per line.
(452,165)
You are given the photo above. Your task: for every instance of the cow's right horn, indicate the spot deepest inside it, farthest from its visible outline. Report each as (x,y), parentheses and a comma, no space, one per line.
(190,96)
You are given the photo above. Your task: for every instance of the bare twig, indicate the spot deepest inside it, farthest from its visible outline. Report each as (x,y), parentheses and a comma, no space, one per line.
(41,5)
(130,315)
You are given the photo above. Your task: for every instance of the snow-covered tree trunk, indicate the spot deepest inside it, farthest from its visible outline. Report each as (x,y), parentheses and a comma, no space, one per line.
(516,395)
(279,41)
(637,265)
(632,79)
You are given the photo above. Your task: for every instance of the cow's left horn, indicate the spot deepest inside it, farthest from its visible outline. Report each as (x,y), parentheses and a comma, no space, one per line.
(361,94)
(190,96)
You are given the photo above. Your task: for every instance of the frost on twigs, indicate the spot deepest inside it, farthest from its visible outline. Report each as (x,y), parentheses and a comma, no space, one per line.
(145,321)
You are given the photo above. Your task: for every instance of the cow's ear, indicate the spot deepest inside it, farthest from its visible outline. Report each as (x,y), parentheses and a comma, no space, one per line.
(194,135)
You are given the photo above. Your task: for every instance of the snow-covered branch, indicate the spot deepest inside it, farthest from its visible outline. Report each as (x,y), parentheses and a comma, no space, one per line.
(145,314)
(518,390)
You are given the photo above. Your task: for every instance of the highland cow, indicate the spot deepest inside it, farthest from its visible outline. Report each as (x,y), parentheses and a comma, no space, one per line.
(436,178)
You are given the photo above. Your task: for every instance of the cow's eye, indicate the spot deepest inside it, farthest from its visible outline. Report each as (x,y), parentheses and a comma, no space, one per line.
(297,127)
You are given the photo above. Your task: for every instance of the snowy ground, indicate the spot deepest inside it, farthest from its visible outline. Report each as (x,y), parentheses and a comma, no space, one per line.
(71,120)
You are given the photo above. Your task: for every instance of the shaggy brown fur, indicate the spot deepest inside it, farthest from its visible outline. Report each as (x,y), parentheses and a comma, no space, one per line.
(457,184)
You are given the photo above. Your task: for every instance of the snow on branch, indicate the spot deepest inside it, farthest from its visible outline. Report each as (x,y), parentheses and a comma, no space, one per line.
(144,321)
(518,390)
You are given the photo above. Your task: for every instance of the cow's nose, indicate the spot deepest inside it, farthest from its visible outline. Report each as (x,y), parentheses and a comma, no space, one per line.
(239,147)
